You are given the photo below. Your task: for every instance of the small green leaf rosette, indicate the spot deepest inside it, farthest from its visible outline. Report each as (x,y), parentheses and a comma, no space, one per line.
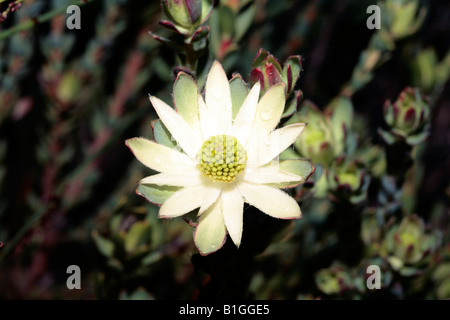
(401,18)
(348,180)
(407,118)
(317,142)
(130,240)
(428,72)
(325,137)
(406,245)
(340,281)
(337,279)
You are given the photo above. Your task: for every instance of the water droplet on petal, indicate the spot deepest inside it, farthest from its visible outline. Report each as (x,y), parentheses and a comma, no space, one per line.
(287,209)
(265,115)
(267,141)
(157,160)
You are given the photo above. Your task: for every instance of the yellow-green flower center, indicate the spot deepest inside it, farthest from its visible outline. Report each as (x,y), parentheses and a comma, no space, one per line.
(222,158)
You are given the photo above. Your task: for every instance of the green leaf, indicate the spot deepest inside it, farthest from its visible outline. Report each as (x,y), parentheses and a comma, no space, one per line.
(105,246)
(185,97)
(200,34)
(260,56)
(417,139)
(138,236)
(408,271)
(243,22)
(151,258)
(215,37)
(199,39)
(272,60)
(289,154)
(321,184)
(342,114)
(207,8)
(295,64)
(309,113)
(172,44)
(115,222)
(156,194)
(227,21)
(239,92)
(162,135)
(300,167)
(388,137)
(388,113)
(295,118)
(290,108)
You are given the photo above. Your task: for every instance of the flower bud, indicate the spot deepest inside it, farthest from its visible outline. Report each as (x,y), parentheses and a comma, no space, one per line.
(407,118)
(185,15)
(407,244)
(267,70)
(183,12)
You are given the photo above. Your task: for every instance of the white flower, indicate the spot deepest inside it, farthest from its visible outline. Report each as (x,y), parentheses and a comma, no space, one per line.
(224,162)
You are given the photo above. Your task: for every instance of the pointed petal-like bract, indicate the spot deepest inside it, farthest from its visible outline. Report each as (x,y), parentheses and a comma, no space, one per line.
(183,178)
(301,168)
(270,175)
(218,97)
(233,210)
(271,201)
(243,123)
(269,110)
(210,197)
(210,234)
(182,201)
(266,148)
(185,94)
(207,120)
(189,139)
(158,157)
